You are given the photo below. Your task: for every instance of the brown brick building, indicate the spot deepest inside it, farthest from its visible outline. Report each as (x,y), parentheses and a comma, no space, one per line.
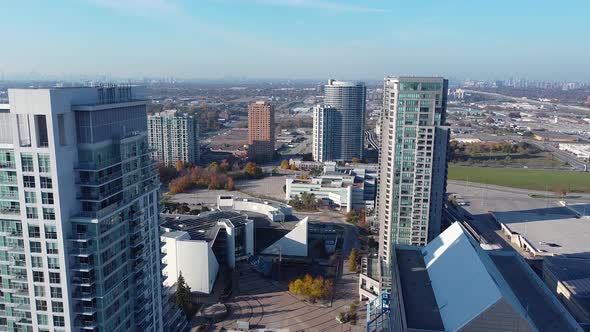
(261,131)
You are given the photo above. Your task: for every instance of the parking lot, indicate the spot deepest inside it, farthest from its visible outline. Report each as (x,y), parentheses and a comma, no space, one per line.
(481,199)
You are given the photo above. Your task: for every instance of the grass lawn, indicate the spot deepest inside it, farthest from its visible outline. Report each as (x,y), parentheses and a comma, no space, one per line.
(523,178)
(543,159)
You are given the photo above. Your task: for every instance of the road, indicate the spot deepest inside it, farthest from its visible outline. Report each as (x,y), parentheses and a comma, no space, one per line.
(585,110)
(576,163)
(301,148)
(372,140)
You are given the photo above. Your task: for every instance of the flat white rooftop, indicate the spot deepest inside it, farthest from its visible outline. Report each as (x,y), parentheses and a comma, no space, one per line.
(552,231)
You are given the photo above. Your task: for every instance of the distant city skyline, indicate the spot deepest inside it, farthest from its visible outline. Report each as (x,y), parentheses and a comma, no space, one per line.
(295,39)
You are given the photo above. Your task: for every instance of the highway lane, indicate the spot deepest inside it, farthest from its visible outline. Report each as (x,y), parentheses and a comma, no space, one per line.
(372,140)
(585,110)
(576,163)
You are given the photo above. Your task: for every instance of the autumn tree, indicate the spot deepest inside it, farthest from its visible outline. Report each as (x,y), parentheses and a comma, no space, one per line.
(297,287)
(180,184)
(362,223)
(355,160)
(353,260)
(252,170)
(179,165)
(560,191)
(285,164)
(225,166)
(197,177)
(353,217)
(213,166)
(167,174)
(312,289)
(230,185)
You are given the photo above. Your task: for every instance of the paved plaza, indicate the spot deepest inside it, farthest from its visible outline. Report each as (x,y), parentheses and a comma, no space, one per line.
(267,304)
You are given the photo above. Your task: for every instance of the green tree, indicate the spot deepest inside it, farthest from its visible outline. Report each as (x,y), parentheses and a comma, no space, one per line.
(305,201)
(182,297)
(309,201)
(353,217)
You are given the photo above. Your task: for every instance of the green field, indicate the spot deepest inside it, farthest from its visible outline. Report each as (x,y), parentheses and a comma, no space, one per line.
(523,178)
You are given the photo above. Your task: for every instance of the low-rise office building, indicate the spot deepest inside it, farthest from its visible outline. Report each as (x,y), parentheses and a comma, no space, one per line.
(551,136)
(581,151)
(547,232)
(274,211)
(568,278)
(304,165)
(197,246)
(347,189)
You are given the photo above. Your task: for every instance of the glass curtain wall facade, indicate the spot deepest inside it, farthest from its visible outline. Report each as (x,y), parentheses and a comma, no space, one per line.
(349,100)
(412,162)
(79,225)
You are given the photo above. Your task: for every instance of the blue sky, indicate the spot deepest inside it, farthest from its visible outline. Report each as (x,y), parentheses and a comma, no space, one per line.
(349,39)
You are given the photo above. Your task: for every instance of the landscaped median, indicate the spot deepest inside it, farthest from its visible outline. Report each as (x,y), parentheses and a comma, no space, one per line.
(543,180)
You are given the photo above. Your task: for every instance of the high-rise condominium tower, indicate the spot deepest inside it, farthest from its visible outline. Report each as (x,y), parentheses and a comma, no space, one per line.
(174,136)
(412,162)
(79,231)
(348,98)
(261,131)
(324,118)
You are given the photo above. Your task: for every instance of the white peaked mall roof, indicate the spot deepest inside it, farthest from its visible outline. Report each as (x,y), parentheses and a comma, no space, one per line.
(467,280)
(293,243)
(462,285)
